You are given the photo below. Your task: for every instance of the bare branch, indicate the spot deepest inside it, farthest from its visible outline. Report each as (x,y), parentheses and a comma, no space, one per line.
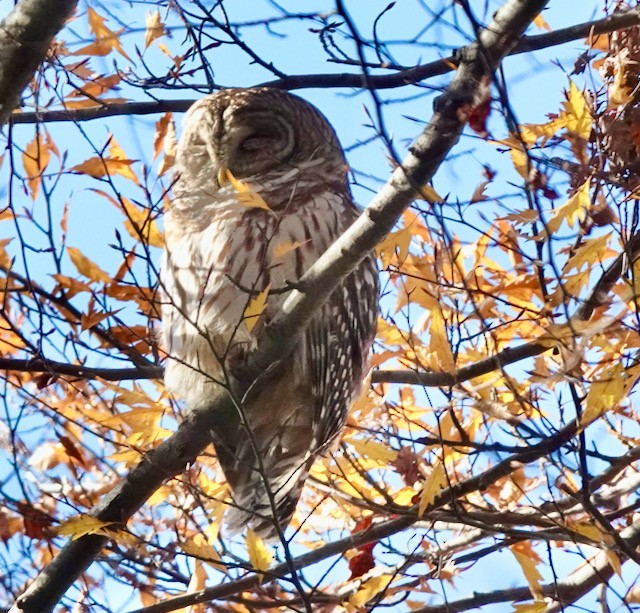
(611,23)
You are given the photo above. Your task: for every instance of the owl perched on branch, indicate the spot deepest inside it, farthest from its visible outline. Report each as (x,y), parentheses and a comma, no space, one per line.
(261,192)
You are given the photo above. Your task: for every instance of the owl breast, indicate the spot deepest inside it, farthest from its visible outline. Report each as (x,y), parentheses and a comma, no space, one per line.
(220,254)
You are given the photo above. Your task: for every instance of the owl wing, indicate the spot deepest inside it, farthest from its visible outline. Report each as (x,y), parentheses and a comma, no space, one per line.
(338,342)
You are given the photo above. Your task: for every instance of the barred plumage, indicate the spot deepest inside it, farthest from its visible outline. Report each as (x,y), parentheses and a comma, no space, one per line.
(220,253)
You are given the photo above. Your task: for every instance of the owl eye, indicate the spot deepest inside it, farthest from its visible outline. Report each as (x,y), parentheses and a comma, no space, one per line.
(257,141)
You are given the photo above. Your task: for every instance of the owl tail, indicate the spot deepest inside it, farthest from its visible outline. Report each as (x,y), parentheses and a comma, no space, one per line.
(265,497)
(267,463)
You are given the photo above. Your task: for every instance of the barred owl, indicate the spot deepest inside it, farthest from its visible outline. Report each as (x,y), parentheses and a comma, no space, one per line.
(222,251)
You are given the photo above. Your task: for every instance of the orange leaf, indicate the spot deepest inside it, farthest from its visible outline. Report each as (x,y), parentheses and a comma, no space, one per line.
(35,159)
(86,267)
(103,34)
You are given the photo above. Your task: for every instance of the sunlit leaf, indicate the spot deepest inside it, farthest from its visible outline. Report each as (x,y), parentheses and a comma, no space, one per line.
(258,552)
(155,27)
(574,210)
(255,308)
(86,267)
(369,589)
(246,195)
(432,486)
(82,525)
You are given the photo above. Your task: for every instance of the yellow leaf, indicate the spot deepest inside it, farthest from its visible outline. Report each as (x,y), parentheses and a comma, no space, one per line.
(86,267)
(539,606)
(259,554)
(155,28)
(604,393)
(117,154)
(614,561)
(369,589)
(587,529)
(200,547)
(540,23)
(105,36)
(97,167)
(374,450)
(140,225)
(246,195)
(592,251)
(439,345)
(170,147)
(523,217)
(255,308)
(198,582)
(575,209)
(575,117)
(282,248)
(531,573)
(429,194)
(432,486)
(35,159)
(395,244)
(81,525)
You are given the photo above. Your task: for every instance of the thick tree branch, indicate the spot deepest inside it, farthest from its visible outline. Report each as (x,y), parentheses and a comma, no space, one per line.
(25,36)
(611,23)
(478,61)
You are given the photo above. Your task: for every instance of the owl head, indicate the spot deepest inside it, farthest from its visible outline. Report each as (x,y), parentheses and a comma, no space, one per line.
(259,134)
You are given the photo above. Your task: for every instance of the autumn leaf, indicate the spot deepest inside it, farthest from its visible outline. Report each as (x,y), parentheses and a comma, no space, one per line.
(574,210)
(155,28)
(82,525)
(528,561)
(258,552)
(86,267)
(255,308)
(575,117)
(105,37)
(369,589)
(281,249)
(35,160)
(439,345)
(162,125)
(116,163)
(374,450)
(396,243)
(170,148)
(432,486)
(538,606)
(604,393)
(592,251)
(246,195)
(541,24)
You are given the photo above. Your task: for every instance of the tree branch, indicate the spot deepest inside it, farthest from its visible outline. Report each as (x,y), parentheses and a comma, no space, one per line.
(478,61)
(563,592)
(611,23)
(25,36)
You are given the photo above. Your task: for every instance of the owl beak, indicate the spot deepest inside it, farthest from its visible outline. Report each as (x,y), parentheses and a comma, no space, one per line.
(222,176)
